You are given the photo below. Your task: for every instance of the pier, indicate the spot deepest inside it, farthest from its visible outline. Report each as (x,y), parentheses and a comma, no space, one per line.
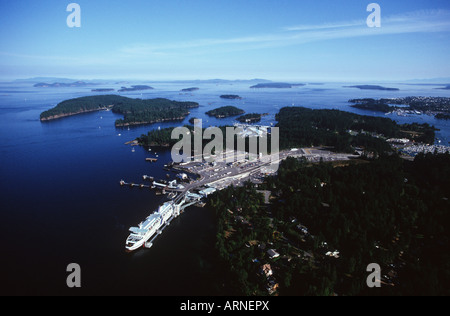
(219,175)
(171,186)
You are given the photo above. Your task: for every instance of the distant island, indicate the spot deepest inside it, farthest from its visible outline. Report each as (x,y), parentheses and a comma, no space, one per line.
(61,84)
(102,90)
(372,87)
(444,88)
(438,106)
(135,111)
(276,85)
(190,89)
(250,118)
(231,97)
(135,88)
(372,105)
(225,111)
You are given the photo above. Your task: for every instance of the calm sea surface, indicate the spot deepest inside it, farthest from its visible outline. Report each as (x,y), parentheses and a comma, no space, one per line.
(61,202)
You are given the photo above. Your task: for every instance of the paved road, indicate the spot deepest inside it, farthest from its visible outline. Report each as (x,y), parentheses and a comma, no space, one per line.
(222,175)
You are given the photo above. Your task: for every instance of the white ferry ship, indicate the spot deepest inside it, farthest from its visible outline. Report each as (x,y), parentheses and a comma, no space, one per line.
(141,234)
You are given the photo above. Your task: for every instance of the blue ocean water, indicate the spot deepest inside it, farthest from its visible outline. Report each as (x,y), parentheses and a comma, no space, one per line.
(62,203)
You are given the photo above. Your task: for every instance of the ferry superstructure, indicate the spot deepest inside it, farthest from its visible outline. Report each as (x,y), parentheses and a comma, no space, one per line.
(149,227)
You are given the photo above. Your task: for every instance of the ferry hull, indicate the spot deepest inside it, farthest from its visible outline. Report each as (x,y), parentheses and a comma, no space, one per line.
(164,213)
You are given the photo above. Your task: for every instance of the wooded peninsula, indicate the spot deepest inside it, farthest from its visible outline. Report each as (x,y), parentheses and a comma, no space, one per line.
(303,127)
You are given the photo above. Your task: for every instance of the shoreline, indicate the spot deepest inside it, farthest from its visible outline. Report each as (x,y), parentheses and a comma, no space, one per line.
(60,116)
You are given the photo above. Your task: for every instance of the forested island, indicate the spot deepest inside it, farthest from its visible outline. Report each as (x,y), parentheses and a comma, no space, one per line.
(230,97)
(277,85)
(303,127)
(163,137)
(136,88)
(139,112)
(135,111)
(250,118)
(372,105)
(190,89)
(61,84)
(372,87)
(225,111)
(81,105)
(324,225)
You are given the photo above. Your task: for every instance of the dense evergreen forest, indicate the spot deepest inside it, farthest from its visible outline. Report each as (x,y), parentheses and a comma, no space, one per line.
(149,111)
(135,111)
(163,137)
(81,105)
(302,127)
(250,118)
(225,111)
(392,212)
(345,132)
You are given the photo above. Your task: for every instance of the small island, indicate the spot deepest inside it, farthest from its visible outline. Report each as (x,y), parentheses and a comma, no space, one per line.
(372,87)
(250,118)
(444,88)
(135,111)
(277,85)
(225,111)
(372,105)
(61,85)
(230,97)
(135,88)
(190,89)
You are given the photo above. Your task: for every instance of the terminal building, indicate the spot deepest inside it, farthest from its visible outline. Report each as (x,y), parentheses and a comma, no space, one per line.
(207,192)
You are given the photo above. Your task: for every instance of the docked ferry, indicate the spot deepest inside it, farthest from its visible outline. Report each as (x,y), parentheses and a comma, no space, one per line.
(148,228)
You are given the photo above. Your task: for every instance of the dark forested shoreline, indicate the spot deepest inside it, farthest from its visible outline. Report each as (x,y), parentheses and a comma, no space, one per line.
(135,111)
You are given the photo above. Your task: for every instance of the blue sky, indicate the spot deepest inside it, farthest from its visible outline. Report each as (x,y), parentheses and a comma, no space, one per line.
(323,40)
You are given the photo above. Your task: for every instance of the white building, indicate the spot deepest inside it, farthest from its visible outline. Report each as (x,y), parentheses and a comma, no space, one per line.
(207,192)
(273,253)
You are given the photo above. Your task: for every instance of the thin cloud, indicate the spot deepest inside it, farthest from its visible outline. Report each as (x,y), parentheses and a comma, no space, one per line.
(423,21)
(323,26)
(410,22)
